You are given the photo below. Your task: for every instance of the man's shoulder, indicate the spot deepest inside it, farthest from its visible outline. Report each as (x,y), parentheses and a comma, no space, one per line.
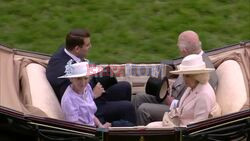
(213,76)
(207,61)
(56,65)
(59,53)
(60,56)
(205,57)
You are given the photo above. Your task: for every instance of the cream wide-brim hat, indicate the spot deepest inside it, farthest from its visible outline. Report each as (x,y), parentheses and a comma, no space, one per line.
(192,64)
(79,70)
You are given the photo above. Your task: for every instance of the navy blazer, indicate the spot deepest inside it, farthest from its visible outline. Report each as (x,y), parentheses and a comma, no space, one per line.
(56,68)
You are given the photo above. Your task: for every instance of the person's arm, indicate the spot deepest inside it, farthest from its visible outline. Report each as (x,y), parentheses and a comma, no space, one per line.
(201,109)
(99,124)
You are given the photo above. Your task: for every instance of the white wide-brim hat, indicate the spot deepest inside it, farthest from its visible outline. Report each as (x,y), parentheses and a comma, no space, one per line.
(192,64)
(79,70)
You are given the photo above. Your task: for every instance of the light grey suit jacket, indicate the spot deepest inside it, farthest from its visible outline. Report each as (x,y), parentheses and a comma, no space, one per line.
(179,87)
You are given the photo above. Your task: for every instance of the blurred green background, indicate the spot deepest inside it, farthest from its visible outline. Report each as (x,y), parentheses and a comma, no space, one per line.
(123,30)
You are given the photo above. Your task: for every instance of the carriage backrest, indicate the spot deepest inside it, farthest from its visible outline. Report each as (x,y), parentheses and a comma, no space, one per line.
(42,94)
(231,92)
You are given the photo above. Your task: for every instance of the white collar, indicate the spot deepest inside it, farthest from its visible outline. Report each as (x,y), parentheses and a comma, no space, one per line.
(201,52)
(72,56)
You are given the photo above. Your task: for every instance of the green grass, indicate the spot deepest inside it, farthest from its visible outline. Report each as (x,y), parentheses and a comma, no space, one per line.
(123,30)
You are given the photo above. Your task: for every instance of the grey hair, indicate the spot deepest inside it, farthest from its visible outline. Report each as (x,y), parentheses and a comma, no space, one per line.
(190,48)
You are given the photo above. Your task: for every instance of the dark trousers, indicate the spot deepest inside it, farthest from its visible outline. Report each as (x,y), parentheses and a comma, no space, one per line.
(115,105)
(119,91)
(116,111)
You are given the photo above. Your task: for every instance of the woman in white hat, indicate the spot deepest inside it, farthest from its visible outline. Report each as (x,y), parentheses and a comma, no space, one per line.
(77,102)
(198,100)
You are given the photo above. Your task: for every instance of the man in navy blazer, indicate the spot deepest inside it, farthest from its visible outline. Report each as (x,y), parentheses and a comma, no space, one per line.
(108,108)
(56,68)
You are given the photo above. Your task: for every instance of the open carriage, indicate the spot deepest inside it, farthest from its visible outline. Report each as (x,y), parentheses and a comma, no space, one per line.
(29,108)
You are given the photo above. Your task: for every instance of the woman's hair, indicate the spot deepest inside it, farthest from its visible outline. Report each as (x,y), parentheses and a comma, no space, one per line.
(201,78)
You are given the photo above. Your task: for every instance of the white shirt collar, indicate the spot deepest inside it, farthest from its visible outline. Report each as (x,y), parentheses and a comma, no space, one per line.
(72,56)
(201,52)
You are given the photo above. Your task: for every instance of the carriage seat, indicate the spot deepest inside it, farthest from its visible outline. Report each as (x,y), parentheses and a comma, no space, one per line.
(231,93)
(42,94)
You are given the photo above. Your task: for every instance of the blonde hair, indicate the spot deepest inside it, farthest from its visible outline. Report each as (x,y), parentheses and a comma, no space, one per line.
(201,78)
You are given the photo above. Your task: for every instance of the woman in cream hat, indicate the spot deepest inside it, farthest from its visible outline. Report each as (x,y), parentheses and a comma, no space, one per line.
(198,100)
(77,102)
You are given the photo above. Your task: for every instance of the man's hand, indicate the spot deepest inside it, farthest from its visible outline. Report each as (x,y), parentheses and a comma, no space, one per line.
(98,90)
(168,100)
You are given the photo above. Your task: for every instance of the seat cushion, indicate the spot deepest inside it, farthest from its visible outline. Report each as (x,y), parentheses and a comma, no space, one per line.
(42,94)
(231,92)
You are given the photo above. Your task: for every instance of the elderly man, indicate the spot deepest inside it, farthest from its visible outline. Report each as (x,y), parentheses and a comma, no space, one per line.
(148,109)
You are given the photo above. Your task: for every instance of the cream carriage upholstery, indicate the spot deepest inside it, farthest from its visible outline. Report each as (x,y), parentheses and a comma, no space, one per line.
(231,93)
(42,94)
